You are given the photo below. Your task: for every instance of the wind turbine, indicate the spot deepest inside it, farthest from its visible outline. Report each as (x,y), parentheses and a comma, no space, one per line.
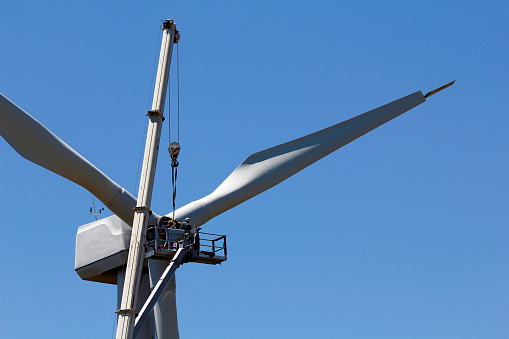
(103,246)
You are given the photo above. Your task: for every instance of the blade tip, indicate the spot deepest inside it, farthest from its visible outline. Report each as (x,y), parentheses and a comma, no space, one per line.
(436,90)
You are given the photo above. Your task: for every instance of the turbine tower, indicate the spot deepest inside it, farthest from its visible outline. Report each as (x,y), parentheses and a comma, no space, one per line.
(140,250)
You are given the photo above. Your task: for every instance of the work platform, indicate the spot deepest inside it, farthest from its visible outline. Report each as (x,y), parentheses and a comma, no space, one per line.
(163,243)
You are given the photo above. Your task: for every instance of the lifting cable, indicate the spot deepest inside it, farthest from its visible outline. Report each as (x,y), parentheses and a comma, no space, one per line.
(174,148)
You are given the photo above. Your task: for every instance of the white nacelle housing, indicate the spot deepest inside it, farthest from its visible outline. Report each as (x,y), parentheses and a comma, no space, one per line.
(101,247)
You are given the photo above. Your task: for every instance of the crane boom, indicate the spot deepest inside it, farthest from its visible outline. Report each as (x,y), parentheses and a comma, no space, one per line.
(126,314)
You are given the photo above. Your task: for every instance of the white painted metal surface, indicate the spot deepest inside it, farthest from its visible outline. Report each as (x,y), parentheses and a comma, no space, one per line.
(101,239)
(36,143)
(265,169)
(165,310)
(147,331)
(126,313)
(158,290)
(101,248)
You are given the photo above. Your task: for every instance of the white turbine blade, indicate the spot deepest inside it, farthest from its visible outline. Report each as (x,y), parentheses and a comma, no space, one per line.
(267,168)
(36,143)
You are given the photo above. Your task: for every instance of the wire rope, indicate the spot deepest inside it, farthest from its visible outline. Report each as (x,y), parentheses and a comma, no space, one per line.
(168,92)
(178,96)
(173,155)
(174,164)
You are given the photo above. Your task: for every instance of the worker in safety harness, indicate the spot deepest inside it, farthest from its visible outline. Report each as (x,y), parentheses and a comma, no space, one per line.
(186,225)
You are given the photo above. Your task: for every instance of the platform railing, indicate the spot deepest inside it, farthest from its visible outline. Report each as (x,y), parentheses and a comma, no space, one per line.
(163,241)
(215,245)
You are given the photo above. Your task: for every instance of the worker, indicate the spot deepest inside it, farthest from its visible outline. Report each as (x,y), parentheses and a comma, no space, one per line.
(187,224)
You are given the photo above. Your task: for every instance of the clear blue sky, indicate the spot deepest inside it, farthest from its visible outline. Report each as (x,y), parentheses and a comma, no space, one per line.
(400,234)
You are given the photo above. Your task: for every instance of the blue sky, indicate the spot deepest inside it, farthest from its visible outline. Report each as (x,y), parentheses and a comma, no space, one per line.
(400,234)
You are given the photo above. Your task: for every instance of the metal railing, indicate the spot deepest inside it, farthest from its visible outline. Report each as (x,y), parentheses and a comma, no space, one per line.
(162,240)
(216,245)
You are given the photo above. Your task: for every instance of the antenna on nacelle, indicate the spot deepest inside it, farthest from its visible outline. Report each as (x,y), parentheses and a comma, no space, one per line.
(95,213)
